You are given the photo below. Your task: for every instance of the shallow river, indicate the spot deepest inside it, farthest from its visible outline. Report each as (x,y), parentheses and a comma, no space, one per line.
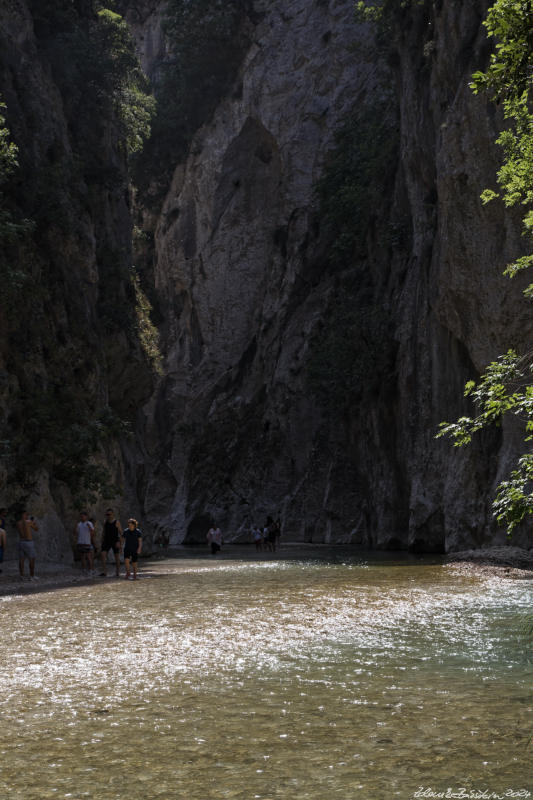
(336,676)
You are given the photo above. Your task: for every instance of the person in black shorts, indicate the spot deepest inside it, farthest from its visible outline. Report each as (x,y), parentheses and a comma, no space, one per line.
(111,540)
(133,542)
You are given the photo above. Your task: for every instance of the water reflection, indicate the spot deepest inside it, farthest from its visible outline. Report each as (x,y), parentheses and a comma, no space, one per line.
(290,679)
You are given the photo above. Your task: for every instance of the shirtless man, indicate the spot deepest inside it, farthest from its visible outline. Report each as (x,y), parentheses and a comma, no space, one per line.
(111,540)
(25,526)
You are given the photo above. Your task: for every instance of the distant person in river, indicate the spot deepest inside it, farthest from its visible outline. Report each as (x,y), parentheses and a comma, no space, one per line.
(84,533)
(269,533)
(3,542)
(111,540)
(3,535)
(257,537)
(162,539)
(133,542)
(214,538)
(277,532)
(25,526)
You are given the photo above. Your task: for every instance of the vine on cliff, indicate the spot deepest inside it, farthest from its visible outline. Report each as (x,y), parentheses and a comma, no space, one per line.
(206,41)
(13,229)
(70,180)
(357,172)
(94,61)
(351,353)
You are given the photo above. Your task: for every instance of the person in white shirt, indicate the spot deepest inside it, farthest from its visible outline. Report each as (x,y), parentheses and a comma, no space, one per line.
(84,539)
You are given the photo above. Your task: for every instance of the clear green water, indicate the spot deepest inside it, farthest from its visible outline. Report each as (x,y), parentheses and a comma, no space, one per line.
(257,680)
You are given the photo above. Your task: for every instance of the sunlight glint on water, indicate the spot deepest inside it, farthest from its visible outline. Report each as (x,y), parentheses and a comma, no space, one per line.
(266,680)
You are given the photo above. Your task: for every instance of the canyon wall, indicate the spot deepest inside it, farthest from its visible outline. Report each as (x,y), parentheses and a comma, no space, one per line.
(324,274)
(72,368)
(249,291)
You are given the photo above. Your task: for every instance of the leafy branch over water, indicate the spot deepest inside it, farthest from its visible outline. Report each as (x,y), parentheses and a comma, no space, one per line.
(507,385)
(505,388)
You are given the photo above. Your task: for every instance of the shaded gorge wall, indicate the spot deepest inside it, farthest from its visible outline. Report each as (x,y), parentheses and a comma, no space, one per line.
(328,281)
(307,238)
(73,366)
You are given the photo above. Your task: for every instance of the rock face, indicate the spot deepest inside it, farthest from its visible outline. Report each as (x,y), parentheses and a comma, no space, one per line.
(253,297)
(242,273)
(70,365)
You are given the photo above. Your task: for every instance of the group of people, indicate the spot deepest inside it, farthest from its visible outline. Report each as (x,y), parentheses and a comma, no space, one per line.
(268,537)
(114,539)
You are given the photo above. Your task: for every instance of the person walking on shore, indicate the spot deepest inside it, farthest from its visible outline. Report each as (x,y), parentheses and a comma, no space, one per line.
(25,526)
(111,540)
(133,543)
(84,538)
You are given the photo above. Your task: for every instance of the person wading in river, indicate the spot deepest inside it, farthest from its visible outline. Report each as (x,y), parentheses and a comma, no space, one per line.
(111,540)
(133,543)
(214,538)
(2,546)
(25,526)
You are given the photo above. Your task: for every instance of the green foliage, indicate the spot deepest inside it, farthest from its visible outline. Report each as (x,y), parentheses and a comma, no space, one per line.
(351,354)
(8,149)
(355,179)
(123,79)
(12,229)
(206,41)
(377,11)
(505,388)
(385,16)
(509,73)
(507,385)
(123,305)
(509,79)
(93,58)
(514,500)
(59,432)
(147,333)
(56,422)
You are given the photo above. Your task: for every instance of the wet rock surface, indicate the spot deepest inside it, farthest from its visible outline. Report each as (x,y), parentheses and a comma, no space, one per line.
(514,557)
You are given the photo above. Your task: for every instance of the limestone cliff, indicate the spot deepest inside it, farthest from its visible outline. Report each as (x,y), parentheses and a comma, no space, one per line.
(324,274)
(72,369)
(246,285)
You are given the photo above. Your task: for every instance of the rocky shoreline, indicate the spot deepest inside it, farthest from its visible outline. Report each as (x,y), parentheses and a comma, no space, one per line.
(513,562)
(49,575)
